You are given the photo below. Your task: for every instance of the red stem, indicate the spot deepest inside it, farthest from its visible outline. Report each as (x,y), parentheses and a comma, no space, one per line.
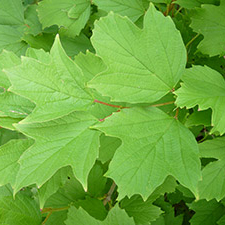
(115,106)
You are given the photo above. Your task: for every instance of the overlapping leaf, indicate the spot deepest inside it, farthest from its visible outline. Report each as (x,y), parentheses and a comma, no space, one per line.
(143,65)
(54,82)
(12,105)
(205,87)
(154,146)
(58,143)
(9,156)
(213,181)
(130,8)
(190,4)
(116,216)
(21,210)
(207,213)
(70,15)
(209,21)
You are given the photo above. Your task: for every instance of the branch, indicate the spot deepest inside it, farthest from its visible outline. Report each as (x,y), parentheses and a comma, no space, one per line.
(50,211)
(109,194)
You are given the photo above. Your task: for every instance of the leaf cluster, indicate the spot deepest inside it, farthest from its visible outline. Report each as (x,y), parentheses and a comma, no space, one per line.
(112,112)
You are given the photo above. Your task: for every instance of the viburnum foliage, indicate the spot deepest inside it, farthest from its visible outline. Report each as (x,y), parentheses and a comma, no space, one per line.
(112,112)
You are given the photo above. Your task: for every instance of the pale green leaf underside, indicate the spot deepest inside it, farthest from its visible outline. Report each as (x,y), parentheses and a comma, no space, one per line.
(154,146)
(130,8)
(205,87)
(212,184)
(143,64)
(56,87)
(70,15)
(209,20)
(116,216)
(58,143)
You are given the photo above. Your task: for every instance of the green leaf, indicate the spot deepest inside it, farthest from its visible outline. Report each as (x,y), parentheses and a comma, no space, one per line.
(167,186)
(11,39)
(207,213)
(9,156)
(94,207)
(168,219)
(52,185)
(116,216)
(96,181)
(142,212)
(212,184)
(205,87)
(6,121)
(7,135)
(209,21)
(32,22)
(57,218)
(73,46)
(11,12)
(130,8)
(90,64)
(199,118)
(108,147)
(23,210)
(162,1)
(59,86)
(190,4)
(43,41)
(58,143)
(221,221)
(14,105)
(143,64)
(71,16)
(154,146)
(7,60)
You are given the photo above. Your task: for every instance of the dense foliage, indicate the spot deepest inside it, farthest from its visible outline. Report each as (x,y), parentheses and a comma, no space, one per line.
(112,112)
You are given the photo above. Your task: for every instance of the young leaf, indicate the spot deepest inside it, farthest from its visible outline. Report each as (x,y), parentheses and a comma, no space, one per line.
(116,216)
(205,87)
(143,65)
(60,142)
(59,86)
(209,21)
(154,146)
